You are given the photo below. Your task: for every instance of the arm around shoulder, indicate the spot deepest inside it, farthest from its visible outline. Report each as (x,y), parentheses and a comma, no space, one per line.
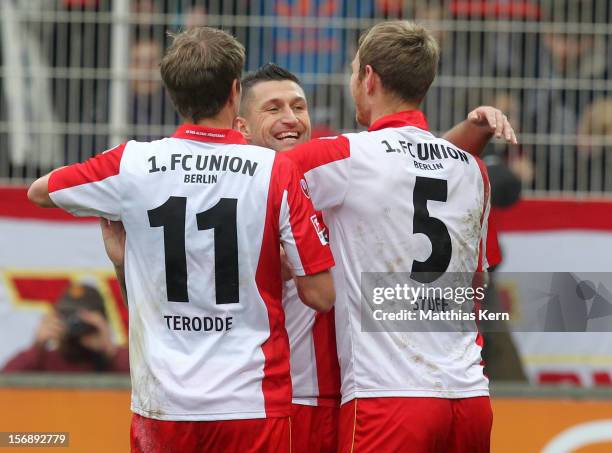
(317,290)
(481,124)
(38,193)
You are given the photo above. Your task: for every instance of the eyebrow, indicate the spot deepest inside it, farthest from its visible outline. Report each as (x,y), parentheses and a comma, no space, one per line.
(278,100)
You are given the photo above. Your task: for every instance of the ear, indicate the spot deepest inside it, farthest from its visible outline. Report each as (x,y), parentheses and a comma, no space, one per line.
(240,124)
(371,79)
(234,98)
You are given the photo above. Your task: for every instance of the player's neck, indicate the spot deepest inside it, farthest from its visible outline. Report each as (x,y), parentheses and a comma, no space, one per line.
(223,120)
(388,106)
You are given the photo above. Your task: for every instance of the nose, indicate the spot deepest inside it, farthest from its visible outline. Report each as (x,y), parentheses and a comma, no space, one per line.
(289,117)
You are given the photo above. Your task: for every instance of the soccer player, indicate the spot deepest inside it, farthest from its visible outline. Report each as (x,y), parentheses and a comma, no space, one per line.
(274,114)
(205,215)
(398,199)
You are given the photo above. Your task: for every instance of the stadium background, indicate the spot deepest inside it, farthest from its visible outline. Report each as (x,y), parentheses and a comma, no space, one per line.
(77,76)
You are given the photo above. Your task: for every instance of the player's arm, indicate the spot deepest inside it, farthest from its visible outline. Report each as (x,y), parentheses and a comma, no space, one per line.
(38,193)
(325,163)
(113,235)
(478,129)
(317,290)
(91,188)
(303,237)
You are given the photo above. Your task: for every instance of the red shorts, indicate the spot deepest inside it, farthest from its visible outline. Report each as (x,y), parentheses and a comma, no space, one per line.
(314,429)
(416,425)
(270,435)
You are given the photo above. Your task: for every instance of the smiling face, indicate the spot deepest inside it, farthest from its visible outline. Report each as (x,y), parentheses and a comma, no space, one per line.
(275,115)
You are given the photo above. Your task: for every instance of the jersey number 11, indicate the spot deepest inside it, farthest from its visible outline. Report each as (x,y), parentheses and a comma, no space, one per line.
(222,218)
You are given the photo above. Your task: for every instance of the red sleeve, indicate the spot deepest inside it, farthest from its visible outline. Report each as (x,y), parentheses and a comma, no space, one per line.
(326,164)
(320,151)
(28,360)
(302,234)
(98,168)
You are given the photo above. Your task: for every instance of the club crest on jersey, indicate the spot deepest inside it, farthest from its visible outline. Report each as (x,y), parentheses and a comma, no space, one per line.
(304,187)
(321,231)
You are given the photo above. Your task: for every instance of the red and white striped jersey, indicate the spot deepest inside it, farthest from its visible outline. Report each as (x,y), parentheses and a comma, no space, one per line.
(205,215)
(315,372)
(380,191)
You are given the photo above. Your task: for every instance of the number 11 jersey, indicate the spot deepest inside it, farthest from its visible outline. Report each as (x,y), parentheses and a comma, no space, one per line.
(204,215)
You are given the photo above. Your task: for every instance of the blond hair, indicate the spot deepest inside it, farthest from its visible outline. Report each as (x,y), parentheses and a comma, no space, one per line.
(403,54)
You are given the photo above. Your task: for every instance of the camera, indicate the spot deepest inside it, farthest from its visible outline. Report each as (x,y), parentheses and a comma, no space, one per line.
(76,327)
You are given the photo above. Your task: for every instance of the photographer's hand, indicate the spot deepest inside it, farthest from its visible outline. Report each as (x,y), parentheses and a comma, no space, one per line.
(100,340)
(50,330)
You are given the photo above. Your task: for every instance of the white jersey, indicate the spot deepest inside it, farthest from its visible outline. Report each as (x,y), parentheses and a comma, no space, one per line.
(377,190)
(205,215)
(315,372)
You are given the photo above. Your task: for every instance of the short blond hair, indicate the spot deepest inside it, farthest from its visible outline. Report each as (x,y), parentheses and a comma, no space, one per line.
(198,70)
(403,54)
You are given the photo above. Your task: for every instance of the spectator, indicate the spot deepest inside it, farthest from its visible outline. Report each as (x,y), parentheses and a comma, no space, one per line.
(74,337)
(307,41)
(195,17)
(446,100)
(594,141)
(565,56)
(501,358)
(75,46)
(571,64)
(149,107)
(595,126)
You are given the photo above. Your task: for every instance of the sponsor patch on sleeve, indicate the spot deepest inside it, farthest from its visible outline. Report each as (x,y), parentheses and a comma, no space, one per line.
(321,231)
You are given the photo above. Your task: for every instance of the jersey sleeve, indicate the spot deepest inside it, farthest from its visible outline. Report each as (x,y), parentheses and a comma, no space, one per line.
(325,163)
(91,188)
(302,235)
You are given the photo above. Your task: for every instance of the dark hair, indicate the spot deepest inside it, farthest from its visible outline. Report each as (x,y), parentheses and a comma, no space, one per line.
(266,73)
(198,70)
(78,296)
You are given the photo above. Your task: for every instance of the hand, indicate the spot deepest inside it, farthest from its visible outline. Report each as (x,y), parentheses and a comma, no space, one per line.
(495,120)
(100,340)
(286,269)
(51,329)
(113,235)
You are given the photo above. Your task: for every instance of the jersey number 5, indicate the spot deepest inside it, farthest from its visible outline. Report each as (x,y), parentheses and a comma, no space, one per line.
(222,219)
(441,249)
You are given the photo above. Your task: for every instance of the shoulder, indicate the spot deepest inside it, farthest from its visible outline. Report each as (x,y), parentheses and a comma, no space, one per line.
(283,166)
(256,149)
(320,151)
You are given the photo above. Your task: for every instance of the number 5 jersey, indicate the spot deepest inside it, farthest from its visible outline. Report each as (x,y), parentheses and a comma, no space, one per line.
(396,199)
(205,215)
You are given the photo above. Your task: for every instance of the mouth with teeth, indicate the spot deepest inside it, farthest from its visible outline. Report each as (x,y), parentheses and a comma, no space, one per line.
(287,136)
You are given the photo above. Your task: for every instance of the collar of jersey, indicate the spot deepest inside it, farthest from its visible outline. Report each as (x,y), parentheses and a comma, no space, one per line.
(209,134)
(414,118)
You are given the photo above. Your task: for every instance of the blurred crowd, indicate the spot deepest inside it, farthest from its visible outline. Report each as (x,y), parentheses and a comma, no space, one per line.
(545,63)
